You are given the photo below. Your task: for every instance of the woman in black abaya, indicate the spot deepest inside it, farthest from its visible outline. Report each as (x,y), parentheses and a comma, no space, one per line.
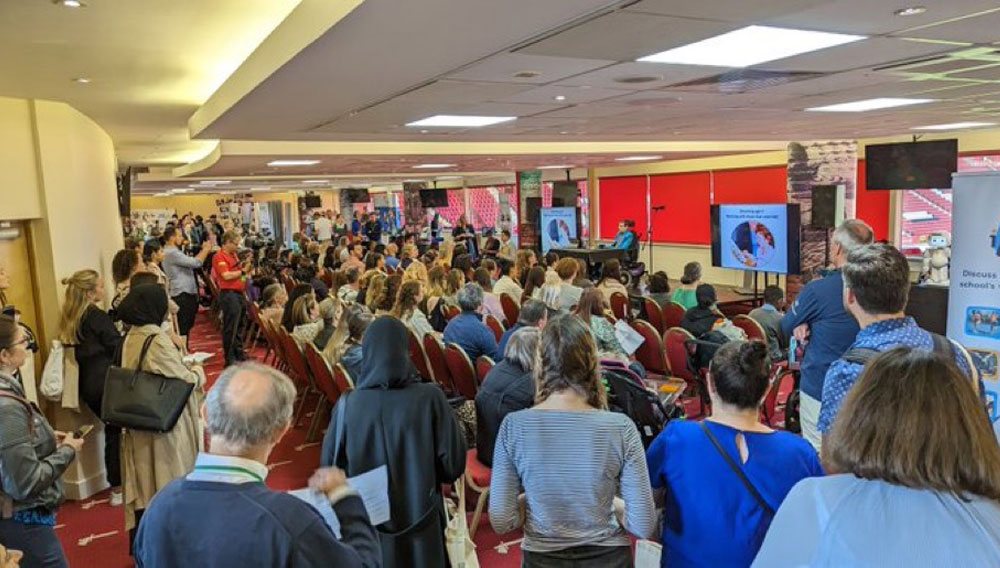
(393,419)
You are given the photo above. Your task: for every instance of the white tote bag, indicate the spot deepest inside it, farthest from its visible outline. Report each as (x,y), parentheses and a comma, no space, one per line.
(52,375)
(461,549)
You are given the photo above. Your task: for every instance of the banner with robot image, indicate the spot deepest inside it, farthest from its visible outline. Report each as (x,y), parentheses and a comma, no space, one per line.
(974,294)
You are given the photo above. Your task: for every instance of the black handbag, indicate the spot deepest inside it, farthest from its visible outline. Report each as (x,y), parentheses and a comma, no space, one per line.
(138,400)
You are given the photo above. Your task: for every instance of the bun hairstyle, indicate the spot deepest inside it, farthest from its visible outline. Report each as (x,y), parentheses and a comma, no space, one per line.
(741,373)
(692,273)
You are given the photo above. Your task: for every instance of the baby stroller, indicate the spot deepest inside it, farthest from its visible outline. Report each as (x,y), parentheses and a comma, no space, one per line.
(628,395)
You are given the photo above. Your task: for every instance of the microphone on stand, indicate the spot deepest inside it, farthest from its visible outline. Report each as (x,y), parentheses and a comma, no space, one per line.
(659,208)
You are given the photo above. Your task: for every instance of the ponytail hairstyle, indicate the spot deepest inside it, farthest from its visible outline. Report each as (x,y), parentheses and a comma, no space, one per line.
(567,359)
(387,298)
(740,373)
(406,301)
(376,286)
(79,288)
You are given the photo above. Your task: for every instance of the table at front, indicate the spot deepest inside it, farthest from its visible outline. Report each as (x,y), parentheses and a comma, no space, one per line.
(592,257)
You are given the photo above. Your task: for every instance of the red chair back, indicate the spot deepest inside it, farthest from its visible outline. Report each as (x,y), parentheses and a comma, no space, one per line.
(342,378)
(295,359)
(672,313)
(495,326)
(419,358)
(483,367)
(289,283)
(650,353)
(654,315)
(462,371)
(751,327)
(619,305)
(675,344)
(435,357)
(773,409)
(322,373)
(451,312)
(511,311)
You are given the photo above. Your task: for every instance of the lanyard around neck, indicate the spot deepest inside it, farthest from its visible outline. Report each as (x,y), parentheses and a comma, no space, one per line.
(229,469)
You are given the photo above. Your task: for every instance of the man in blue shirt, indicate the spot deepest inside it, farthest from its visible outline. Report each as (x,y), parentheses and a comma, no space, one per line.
(467,330)
(818,318)
(625,236)
(876,288)
(533,314)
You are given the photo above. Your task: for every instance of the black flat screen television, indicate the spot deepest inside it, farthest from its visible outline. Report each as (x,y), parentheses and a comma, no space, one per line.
(911,165)
(433,197)
(313,201)
(356,194)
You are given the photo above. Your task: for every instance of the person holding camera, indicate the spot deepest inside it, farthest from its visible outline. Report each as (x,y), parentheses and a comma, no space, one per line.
(231,274)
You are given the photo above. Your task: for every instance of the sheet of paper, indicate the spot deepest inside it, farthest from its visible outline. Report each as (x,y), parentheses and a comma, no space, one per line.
(647,554)
(322,505)
(199,357)
(373,486)
(629,338)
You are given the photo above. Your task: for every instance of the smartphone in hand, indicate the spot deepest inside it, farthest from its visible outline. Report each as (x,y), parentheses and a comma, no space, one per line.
(82,431)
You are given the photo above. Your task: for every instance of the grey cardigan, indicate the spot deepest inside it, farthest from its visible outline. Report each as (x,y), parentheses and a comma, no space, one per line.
(30,461)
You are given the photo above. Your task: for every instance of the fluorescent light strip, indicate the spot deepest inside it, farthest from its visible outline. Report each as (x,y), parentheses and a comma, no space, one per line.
(870,104)
(461,121)
(288,163)
(214,182)
(954,126)
(432,166)
(557,167)
(637,158)
(316,181)
(751,45)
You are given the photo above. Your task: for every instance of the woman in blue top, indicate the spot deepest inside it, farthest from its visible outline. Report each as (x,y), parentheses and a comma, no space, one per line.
(711,515)
(916,476)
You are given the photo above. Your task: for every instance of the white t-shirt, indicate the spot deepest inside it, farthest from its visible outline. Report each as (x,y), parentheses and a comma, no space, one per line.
(324,229)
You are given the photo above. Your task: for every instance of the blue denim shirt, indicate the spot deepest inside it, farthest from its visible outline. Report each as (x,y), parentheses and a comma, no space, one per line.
(879,336)
(471,334)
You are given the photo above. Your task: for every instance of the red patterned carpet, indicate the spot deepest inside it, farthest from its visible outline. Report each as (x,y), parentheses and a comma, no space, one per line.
(291,464)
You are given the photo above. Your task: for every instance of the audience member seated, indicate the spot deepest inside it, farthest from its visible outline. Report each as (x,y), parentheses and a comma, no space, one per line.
(306,320)
(374,261)
(533,283)
(491,302)
(329,312)
(288,317)
(533,314)
(344,346)
(507,283)
(416,271)
(685,295)
(222,514)
(272,303)
(394,420)
(151,460)
(592,310)
(769,317)
(387,296)
(659,288)
(506,250)
(707,503)
(390,256)
(353,258)
(914,475)
(582,279)
(611,279)
(525,260)
(372,290)
(407,308)
(569,294)
(876,289)
(570,457)
(308,273)
(467,330)
(509,386)
(706,323)
(348,293)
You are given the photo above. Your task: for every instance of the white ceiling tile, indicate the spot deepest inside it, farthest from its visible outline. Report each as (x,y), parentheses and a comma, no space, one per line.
(502,67)
(866,53)
(749,11)
(548,94)
(462,92)
(510,109)
(589,110)
(980,29)
(626,36)
(665,75)
(876,16)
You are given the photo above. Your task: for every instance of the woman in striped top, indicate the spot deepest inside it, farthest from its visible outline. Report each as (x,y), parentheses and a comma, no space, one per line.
(570,457)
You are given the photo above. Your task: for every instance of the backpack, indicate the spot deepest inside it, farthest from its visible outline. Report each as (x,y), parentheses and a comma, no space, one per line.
(628,395)
(861,355)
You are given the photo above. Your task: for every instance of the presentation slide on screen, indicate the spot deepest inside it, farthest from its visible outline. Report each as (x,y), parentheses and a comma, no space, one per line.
(558,227)
(754,237)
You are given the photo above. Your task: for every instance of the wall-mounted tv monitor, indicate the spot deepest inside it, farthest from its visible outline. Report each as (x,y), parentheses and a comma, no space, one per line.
(313,201)
(356,194)
(433,198)
(911,165)
(761,237)
(558,227)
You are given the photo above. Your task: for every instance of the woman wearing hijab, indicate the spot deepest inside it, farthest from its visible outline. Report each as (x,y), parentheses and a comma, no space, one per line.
(151,460)
(393,419)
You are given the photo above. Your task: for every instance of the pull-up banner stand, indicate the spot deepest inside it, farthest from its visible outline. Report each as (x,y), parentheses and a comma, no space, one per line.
(974,296)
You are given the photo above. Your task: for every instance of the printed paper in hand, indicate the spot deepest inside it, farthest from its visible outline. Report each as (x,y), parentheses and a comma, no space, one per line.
(199,357)
(629,338)
(647,554)
(320,502)
(373,486)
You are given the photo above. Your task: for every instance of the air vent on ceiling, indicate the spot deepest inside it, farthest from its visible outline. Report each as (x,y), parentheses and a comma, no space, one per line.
(638,79)
(527,74)
(744,80)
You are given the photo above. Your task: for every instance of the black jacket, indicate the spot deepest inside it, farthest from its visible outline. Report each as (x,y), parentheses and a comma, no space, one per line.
(507,388)
(99,341)
(699,321)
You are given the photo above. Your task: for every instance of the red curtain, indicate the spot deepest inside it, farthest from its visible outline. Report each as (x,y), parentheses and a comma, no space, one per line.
(622,198)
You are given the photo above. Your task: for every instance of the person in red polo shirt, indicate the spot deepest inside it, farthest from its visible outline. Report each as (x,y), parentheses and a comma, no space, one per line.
(231,276)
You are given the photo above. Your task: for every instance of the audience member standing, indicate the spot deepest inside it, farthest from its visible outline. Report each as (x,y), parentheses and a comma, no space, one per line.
(392,419)
(509,387)
(712,517)
(323,227)
(818,317)
(569,457)
(915,476)
(181,281)
(231,276)
(33,458)
(222,513)
(876,288)
(467,329)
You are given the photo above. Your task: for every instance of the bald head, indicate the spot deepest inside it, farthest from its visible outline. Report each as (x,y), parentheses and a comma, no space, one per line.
(249,405)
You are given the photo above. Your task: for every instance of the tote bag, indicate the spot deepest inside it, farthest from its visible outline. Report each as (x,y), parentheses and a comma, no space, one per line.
(139,400)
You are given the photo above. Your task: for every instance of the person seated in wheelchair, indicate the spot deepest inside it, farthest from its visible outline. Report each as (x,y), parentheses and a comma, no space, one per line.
(628,240)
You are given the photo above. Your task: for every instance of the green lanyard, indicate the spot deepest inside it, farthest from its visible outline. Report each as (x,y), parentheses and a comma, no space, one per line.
(230,469)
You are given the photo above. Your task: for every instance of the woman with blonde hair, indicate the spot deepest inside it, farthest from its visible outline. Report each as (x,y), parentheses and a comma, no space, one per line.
(376,286)
(387,297)
(407,308)
(606,458)
(445,253)
(306,322)
(416,271)
(272,302)
(329,311)
(96,340)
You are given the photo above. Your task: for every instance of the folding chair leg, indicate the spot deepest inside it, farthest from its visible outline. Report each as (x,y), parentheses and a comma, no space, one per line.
(321,410)
(480,504)
(301,408)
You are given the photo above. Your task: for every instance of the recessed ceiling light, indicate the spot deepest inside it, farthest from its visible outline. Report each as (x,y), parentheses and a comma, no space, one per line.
(460,120)
(432,166)
(81,80)
(637,158)
(424,131)
(954,126)
(910,11)
(214,181)
(749,46)
(316,181)
(448,177)
(70,3)
(286,163)
(557,167)
(870,104)
(560,97)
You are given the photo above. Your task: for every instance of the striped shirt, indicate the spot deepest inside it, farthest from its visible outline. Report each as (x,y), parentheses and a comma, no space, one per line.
(570,465)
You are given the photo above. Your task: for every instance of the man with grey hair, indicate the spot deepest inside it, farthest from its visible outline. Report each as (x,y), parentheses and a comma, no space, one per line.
(509,387)
(818,318)
(533,314)
(222,514)
(467,330)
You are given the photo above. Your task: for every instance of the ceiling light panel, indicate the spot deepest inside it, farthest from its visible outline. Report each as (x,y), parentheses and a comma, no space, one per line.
(870,104)
(432,166)
(291,163)
(751,45)
(638,158)
(460,121)
(955,126)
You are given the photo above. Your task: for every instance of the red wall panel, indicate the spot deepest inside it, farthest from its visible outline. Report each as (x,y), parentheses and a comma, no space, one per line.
(872,206)
(752,185)
(686,217)
(622,198)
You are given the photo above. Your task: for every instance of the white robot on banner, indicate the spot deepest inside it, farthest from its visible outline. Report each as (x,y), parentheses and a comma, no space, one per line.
(937,259)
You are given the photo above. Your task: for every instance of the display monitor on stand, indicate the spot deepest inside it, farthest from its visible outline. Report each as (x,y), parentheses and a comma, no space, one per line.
(756,238)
